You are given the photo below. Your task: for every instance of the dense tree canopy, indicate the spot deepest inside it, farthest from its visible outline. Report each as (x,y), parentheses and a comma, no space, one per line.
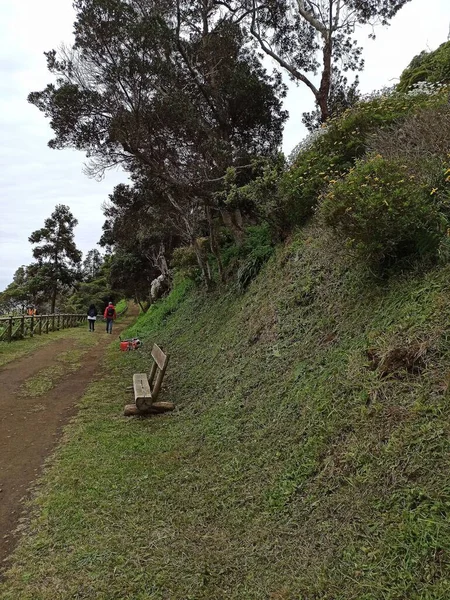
(172,93)
(162,84)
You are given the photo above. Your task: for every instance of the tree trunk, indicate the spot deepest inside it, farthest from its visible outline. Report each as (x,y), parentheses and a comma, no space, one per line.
(136,299)
(203,264)
(233,220)
(214,244)
(323,94)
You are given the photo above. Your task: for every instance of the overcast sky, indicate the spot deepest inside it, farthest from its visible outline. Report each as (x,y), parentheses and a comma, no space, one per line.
(33,178)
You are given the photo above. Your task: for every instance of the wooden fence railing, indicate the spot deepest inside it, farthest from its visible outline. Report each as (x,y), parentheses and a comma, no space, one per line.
(21,326)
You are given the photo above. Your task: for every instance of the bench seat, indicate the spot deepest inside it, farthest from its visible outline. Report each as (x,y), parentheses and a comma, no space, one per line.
(142,392)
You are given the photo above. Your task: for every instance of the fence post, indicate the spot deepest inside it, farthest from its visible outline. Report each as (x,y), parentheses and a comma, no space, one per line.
(22,326)
(59,321)
(31,326)
(40,324)
(10,329)
(47,323)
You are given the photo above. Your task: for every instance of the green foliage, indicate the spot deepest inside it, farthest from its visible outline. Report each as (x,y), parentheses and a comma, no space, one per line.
(301,186)
(287,441)
(346,138)
(121,306)
(185,262)
(247,259)
(131,274)
(384,211)
(92,264)
(56,253)
(344,141)
(317,40)
(259,197)
(94,290)
(252,265)
(431,67)
(161,310)
(202,120)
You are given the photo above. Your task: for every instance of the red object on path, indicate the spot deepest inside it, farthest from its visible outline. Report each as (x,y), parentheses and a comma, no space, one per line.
(127,345)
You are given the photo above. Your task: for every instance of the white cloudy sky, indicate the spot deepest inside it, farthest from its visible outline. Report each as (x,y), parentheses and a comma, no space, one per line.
(33,178)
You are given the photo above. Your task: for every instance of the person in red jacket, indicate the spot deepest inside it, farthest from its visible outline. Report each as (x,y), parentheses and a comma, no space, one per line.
(110,316)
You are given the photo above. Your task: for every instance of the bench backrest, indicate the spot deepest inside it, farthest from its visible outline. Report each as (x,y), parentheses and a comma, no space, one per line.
(157,371)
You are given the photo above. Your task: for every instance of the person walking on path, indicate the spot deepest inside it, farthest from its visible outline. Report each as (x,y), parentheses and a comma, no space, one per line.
(110,316)
(92,317)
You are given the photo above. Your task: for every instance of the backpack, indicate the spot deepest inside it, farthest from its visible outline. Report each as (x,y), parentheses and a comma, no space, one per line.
(92,312)
(110,312)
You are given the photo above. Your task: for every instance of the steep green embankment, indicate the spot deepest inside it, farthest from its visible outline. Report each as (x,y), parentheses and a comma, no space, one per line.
(309,457)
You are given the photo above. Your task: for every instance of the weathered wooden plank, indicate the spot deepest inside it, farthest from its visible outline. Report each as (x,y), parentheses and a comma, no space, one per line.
(151,375)
(141,386)
(158,382)
(142,393)
(159,357)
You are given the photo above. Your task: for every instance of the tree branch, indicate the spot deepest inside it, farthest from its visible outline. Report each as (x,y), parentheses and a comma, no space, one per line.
(312,20)
(296,74)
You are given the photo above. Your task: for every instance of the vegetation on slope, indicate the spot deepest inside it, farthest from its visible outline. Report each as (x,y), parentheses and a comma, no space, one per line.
(308,457)
(430,67)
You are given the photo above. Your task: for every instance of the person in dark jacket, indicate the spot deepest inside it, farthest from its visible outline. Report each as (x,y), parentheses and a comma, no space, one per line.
(92,317)
(110,316)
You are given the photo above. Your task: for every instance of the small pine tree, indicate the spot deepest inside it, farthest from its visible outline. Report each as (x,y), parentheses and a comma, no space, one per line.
(56,252)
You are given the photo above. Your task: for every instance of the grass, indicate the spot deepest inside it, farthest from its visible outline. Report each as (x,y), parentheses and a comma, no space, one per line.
(308,458)
(121,306)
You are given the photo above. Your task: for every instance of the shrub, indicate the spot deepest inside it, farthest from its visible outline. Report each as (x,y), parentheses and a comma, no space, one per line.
(252,265)
(383,211)
(301,186)
(256,237)
(423,135)
(185,262)
(433,67)
(246,260)
(346,139)
(258,197)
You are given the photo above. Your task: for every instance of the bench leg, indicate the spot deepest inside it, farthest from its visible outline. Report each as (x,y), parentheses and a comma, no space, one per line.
(131,410)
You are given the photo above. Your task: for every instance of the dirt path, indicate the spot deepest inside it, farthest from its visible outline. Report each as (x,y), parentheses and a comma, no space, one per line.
(31,427)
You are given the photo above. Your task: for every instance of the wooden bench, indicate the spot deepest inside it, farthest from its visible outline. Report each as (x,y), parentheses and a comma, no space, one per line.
(146,388)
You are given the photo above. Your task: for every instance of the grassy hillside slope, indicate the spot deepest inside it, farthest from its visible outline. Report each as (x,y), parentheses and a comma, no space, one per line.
(309,457)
